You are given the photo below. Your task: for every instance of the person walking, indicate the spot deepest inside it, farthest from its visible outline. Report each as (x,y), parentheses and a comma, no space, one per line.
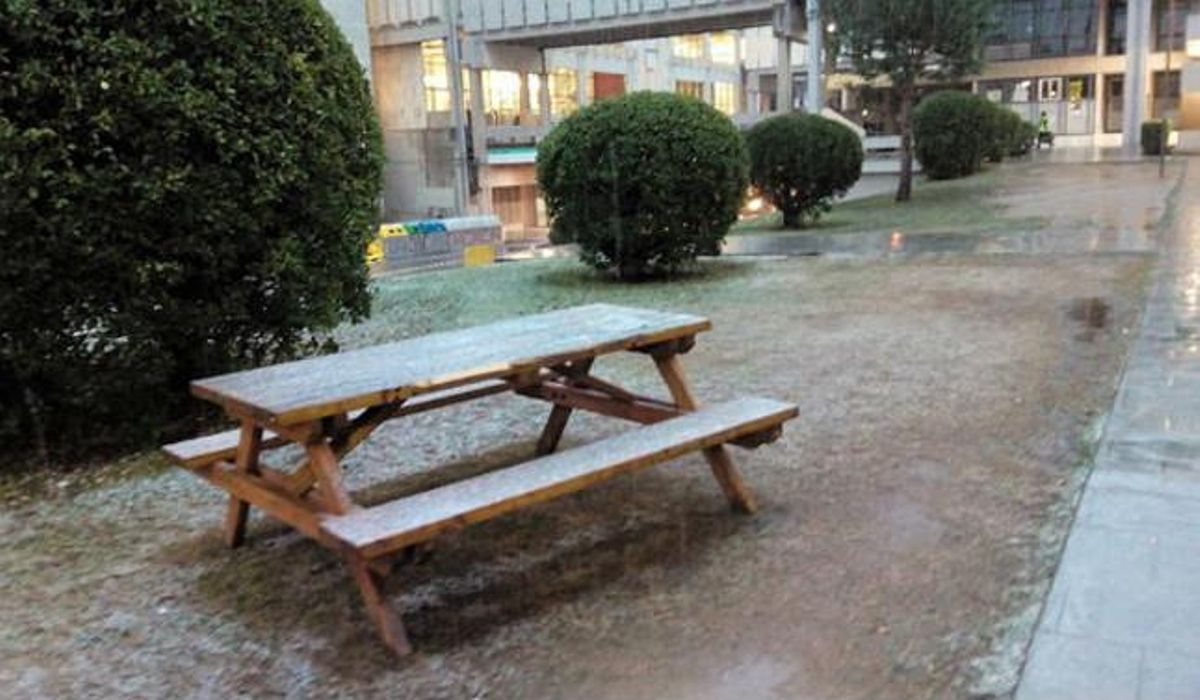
(1045,135)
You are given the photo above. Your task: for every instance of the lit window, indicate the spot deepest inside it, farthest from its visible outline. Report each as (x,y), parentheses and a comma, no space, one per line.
(725,97)
(564,92)
(535,94)
(502,97)
(689,46)
(435,77)
(724,48)
(691,88)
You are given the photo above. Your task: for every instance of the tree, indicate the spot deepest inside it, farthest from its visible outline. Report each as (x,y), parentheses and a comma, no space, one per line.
(909,42)
(643,183)
(802,162)
(186,188)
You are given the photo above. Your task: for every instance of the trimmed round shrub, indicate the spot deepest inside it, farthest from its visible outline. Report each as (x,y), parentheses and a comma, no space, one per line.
(643,183)
(1000,133)
(952,131)
(1026,135)
(186,188)
(802,162)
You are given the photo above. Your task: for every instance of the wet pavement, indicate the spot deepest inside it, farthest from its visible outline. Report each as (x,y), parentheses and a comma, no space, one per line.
(1122,621)
(885,244)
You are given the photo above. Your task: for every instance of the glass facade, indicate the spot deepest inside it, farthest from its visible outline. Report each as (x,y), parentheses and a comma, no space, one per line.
(691,88)
(1114,102)
(690,46)
(725,97)
(1043,28)
(1067,101)
(1114,41)
(564,92)
(1170,25)
(435,77)
(1165,102)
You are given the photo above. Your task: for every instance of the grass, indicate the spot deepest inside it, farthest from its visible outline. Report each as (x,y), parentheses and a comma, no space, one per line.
(965,206)
(413,305)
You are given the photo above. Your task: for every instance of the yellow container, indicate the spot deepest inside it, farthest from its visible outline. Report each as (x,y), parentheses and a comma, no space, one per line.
(375,251)
(479,255)
(392,230)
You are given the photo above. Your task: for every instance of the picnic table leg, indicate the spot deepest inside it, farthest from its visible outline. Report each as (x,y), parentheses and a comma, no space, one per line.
(722,465)
(249,446)
(324,465)
(370,584)
(559,415)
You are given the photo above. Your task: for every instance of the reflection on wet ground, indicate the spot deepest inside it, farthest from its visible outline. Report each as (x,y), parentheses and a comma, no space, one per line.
(1087,204)
(1123,618)
(885,244)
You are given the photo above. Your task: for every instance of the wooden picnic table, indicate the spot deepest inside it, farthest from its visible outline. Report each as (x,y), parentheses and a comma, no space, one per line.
(330,404)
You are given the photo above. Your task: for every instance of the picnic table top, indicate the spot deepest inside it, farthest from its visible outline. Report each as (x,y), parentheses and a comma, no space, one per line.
(305,390)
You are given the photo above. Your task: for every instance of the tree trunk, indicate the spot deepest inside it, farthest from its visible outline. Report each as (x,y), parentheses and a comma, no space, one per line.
(904,190)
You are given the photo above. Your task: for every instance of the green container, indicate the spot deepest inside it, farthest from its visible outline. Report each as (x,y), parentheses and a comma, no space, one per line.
(1155,136)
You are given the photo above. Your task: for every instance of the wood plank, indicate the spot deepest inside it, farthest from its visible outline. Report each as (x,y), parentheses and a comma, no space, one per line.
(314,388)
(200,451)
(261,494)
(638,409)
(211,448)
(370,585)
(248,449)
(376,531)
(740,498)
(556,423)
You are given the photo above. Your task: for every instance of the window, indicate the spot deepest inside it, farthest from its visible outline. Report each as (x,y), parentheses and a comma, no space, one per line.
(724,48)
(502,97)
(535,94)
(689,46)
(1166,95)
(690,88)
(1170,25)
(435,77)
(725,97)
(564,92)
(1036,28)
(1118,14)
(1114,102)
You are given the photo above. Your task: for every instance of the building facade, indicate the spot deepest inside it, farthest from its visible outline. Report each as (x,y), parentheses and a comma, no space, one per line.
(1095,68)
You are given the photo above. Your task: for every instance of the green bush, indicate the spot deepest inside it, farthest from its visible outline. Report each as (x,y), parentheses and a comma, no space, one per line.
(185,188)
(952,132)
(1155,135)
(1006,133)
(1025,136)
(801,162)
(643,183)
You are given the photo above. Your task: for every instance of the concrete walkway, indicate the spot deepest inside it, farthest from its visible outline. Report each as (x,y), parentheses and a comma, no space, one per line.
(1122,621)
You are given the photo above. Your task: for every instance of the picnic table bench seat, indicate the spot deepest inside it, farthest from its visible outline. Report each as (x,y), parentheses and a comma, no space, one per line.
(387,528)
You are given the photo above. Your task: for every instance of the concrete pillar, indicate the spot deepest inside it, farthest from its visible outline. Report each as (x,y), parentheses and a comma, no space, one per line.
(479,130)
(582,75)
(783,76)
(1099,104)
(526,103)
(544,102)
(815,101)
(1137,50)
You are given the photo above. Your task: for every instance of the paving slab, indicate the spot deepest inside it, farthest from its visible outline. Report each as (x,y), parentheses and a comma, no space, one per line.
(1123,616)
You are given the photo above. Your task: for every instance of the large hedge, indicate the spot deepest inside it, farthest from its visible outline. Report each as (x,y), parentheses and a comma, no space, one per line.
(644,183)
(185,188)
(953,131)
(801,162)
